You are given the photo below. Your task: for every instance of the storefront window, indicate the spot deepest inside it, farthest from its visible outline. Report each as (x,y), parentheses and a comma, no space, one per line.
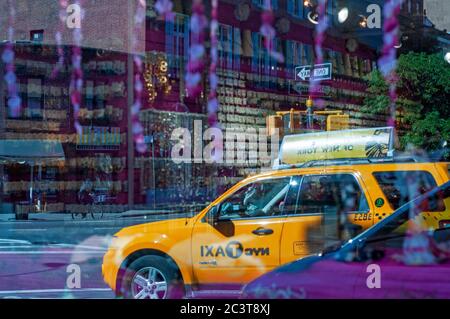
(147,113)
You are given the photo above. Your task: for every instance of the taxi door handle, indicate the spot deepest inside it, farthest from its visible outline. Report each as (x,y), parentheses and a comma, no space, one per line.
(263,231)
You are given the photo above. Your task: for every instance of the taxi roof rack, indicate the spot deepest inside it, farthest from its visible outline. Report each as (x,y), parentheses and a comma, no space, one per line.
(352,161)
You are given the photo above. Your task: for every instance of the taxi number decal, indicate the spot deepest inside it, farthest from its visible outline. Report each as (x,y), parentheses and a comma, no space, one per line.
(362,217)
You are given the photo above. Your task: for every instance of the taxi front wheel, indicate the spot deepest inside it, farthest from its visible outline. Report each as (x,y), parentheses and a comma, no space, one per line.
(152,277)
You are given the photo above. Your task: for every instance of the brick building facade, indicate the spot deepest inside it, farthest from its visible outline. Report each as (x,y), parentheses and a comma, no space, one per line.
(106,24)
(251,86)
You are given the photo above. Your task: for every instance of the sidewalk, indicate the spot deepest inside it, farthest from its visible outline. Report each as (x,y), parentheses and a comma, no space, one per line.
(106,216)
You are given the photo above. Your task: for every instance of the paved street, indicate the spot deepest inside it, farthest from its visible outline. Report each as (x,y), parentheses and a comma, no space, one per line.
(34,255)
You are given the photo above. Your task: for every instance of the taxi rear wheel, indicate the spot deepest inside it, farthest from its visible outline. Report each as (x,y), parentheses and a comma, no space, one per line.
(152,277)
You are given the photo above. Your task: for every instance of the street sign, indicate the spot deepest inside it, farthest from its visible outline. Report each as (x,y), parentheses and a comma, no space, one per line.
(321,72)
(303,88)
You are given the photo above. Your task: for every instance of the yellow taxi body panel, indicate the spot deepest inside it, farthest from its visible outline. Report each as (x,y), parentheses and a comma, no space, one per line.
(232,253)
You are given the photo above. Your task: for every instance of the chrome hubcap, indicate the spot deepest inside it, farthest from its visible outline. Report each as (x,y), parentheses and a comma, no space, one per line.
(149,283)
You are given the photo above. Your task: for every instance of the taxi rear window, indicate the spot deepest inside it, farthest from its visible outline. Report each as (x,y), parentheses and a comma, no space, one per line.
(400,187)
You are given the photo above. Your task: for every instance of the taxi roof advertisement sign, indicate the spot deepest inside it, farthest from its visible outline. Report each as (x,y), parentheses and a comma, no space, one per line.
(348,144)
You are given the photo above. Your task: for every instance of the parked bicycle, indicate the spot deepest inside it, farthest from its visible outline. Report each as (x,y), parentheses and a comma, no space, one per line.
(93,202)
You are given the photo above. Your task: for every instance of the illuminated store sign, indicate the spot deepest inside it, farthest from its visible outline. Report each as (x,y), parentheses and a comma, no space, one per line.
(360,143)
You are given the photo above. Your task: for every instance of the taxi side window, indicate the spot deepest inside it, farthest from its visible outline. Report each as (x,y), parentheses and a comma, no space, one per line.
(400,187)
(331,194)
(393,233)
(260,199)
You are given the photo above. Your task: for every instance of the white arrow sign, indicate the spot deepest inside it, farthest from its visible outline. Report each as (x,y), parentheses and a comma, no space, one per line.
(304,73)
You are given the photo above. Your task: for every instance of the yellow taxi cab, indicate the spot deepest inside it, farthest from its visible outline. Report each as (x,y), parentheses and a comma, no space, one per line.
(272,218)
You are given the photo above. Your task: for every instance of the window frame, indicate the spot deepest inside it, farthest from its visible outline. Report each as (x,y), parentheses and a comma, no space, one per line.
(296,9)
(177,42)
(228,37)
(362,189)
(40,33)
(260,4)
(391,206)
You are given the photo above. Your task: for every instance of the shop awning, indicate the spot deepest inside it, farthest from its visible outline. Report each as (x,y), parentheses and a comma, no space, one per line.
(31,151)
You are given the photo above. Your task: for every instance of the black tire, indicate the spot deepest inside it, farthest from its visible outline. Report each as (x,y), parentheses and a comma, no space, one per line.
(79,216)
(175,287)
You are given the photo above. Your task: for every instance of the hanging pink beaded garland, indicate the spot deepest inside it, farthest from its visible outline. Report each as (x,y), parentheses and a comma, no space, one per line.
(417,246)
(164,9)
(76,84)
(213,102)
(319,38)
(14,101)
(388,60)
(138,130)
(196,62)
(58,38)
(268,32)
